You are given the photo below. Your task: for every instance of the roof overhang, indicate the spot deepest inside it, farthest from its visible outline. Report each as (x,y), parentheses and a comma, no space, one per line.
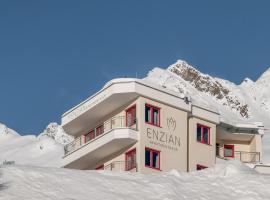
(114,95)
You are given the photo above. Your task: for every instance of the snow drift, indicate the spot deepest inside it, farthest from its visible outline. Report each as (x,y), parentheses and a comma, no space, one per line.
(43,150)
(232,180)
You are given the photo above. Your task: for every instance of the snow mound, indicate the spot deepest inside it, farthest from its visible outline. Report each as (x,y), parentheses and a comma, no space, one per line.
(45,150)
(232,180)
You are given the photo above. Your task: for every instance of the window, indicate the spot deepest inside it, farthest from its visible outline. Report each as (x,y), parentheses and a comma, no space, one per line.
(131,116)
(203,134)
(131,160)
(152,115)
(152,158)
(90,136)
(99,130)
(229,150)
(101,167)
(200,167)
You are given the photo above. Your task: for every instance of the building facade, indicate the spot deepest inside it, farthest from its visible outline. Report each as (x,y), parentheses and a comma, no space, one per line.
(133,125)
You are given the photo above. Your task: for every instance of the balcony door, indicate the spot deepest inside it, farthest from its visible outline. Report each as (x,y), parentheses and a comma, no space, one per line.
(131,117)
(131,160)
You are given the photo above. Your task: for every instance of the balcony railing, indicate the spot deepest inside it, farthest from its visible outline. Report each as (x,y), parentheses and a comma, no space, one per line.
(99,131)
(122,166)
(243,156)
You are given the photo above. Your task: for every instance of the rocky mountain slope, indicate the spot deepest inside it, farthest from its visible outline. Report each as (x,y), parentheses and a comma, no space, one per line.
(248,102)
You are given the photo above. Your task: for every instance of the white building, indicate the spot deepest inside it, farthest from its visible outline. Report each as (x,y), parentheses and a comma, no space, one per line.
(133,125)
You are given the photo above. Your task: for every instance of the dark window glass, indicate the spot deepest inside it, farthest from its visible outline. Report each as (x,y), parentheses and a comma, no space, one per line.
(199,133)
(147,114)
(205,135)
(147,158)
(155,160)
(156,117)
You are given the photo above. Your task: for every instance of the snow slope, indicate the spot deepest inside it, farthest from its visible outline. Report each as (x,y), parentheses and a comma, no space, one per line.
(232,180)
(43,150)
(248,102)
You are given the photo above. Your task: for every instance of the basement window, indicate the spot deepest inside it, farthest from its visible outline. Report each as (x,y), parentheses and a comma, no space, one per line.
(229,150)
(152,115)
(200,167)
(203,134)
(152,158)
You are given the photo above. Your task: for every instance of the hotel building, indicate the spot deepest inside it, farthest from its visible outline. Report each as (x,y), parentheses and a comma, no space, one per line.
(133,125)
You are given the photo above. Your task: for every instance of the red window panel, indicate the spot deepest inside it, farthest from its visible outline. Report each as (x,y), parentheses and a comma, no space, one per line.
(203,134)
(99,130)
(201,167)
(152,158)
(101,167)
(229,150)
(131,116)
(90,136)
(152,115)
(131,160)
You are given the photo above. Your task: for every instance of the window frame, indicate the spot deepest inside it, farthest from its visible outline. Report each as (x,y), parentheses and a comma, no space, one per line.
(134,165)
(230,146)
(151,158)
(134,120)
(202,134)
(152,114)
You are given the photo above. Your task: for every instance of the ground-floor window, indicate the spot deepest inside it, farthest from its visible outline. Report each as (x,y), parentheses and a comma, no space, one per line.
(203,134)
(229,150)
(201,167)
(152,158)
(131,160)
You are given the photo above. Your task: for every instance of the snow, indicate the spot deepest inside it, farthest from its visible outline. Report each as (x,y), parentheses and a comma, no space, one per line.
(231,180)
(43,150)
(254,95)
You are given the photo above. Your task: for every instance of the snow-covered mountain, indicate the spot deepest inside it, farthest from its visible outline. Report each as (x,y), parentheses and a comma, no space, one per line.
(247,102)
(45,149)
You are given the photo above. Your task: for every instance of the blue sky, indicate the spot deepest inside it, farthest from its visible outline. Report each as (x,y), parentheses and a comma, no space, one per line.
(54,54)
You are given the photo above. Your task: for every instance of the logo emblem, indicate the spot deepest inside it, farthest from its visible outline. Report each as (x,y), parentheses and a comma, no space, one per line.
(171,124)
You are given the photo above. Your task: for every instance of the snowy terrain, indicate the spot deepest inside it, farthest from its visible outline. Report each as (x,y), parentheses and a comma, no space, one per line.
(232,180)
(248,102)
(43,150)
(37,175)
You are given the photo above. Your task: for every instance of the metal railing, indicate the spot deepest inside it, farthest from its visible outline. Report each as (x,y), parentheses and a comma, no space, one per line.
(99,131)
(122,166)
(243,156)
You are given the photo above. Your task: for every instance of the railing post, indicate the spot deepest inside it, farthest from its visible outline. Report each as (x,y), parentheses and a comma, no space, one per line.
(240,156)
(111,124)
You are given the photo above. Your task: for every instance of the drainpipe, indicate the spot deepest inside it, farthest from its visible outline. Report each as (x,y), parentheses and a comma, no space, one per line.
(188,118)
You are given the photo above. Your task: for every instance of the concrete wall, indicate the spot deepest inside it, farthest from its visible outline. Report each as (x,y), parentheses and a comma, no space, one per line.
(199,153)
(170,138)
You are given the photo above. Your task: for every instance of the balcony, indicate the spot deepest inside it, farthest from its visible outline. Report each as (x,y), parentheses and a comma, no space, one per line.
(102,141)
(243,156)
(121,166)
